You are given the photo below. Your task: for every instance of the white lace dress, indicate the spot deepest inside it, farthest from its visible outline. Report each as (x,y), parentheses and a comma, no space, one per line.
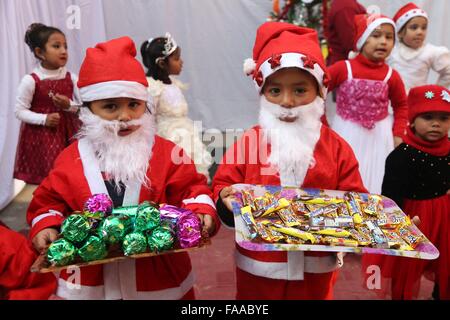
(172,122)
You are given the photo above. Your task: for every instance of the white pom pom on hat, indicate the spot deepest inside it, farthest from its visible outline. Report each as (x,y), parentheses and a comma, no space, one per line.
(249,66)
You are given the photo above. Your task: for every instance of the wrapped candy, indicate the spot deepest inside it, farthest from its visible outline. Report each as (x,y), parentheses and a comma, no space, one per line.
(75,228)
(134,243)
(160,239)
(114,228)
(99,203)
(147,218)
(61,252)
(93,249)
(189,230)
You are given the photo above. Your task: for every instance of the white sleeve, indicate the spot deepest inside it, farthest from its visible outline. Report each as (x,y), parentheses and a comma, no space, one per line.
(441,64)
(25,94)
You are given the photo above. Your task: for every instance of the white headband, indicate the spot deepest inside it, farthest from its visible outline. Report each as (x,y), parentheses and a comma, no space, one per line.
(169,47)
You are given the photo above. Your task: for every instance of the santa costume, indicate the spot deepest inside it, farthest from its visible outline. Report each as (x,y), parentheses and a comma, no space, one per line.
(148,168)
(17,282)
(414,65)
(303,153)
(364,89)
(39,145)
(417,178)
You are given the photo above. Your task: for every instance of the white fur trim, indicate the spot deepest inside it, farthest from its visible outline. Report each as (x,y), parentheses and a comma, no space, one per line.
(249,66)
(291,59)
(375,24)
(50,213)
(91,168)
(114,89)
(202,199)
(408,16)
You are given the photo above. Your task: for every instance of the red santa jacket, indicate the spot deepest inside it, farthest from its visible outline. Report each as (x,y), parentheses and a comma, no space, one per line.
(76,176)
(335,168)
(16,280)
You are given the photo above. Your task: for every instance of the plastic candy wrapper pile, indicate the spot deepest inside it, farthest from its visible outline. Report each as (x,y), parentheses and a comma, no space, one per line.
(102,234)
(271,218)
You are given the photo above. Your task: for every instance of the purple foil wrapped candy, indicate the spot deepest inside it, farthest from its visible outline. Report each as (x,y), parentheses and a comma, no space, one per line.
(99,202)
(188,226)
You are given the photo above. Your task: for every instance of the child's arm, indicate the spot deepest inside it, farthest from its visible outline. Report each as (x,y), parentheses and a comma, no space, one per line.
(25,93)
(338,74)
(188,189)
(441,64)
(397,95)
(395,178)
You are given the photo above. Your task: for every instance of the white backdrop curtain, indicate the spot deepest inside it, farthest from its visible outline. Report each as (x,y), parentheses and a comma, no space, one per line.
(215,37)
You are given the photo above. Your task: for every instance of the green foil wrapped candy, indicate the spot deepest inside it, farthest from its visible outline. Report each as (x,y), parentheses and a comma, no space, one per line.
(61,252)
(160,239)
(147,218)
(75,228)
(114,228)
(134,243)
(93,249)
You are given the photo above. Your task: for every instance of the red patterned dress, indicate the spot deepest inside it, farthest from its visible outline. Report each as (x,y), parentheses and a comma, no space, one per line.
(40,145)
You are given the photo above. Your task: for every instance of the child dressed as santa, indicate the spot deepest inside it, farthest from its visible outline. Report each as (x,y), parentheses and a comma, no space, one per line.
(118,153)
(289,147)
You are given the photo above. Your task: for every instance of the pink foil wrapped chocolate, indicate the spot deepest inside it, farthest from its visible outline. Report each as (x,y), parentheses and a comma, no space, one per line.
(187,225)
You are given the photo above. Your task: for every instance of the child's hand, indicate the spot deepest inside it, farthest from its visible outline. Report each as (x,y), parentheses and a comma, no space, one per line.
(52,119)
(397,141)
(207,223)
(227,194)
(61,101)
(416,220)
(44,237)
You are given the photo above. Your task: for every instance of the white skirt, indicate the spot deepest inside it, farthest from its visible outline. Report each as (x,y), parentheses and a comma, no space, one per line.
(181,131)
(371,148)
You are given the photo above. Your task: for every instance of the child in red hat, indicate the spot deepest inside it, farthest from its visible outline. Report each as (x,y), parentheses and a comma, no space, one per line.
(118,153)
(365,86)
(289,147)
(417,178)
(17,282)
(412,57)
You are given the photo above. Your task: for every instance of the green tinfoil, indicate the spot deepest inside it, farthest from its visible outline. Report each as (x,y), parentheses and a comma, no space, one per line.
(93,249)
(75,228)
(61,252)
(134,243)
(114,228)
(147,218)
(128,211)
(160,239)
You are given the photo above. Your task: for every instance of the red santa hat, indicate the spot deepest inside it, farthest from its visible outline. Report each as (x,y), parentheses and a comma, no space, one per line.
(406,13)
(281,45)
(428,98)
(365,24)
(110,70)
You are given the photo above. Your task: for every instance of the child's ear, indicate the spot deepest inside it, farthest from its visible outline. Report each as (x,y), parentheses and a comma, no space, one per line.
(161,64)
(39,53)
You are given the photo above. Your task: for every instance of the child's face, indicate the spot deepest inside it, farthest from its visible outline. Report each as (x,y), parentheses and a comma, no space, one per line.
(432,126)
(290,88)
(413,34)
(175,63)
(379,44)
(55,54)
(121,109)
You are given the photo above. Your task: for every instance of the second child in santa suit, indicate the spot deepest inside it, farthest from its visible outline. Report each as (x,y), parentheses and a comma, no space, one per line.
(365,85)
(291,77)
(118,153)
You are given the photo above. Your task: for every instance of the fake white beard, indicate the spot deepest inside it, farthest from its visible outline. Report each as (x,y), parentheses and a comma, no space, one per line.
(292,143)
(123,159)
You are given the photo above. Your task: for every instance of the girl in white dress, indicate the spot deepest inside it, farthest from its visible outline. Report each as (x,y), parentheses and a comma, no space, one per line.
(162,57)
(412,57)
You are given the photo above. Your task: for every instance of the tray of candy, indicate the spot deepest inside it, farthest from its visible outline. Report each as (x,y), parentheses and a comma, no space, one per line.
(42,265)
(274,218)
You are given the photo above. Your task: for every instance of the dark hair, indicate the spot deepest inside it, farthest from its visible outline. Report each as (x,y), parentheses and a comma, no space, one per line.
(150,52)
(37,36)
